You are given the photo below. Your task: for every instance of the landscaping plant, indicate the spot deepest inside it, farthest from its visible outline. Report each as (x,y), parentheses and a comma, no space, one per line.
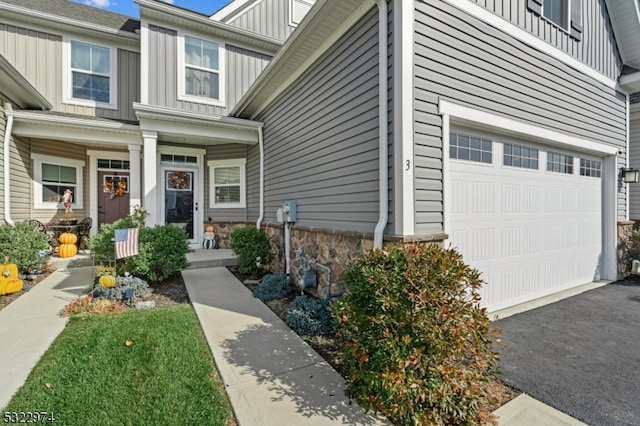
(162,252)
(416,344)
(22,245)
(117,293)
(309,317)
(272,286)
(250,244)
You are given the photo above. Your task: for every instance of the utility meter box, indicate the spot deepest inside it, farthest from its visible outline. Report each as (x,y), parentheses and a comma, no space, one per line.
(279,216)
(290,211)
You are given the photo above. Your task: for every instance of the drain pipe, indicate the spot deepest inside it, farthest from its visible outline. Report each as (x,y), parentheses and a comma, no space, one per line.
(261,143)
(378,233)
(7,164)
(287,250)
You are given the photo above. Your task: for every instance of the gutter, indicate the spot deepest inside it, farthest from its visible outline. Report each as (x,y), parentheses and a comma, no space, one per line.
(261,143)
(7,164)
(378,233)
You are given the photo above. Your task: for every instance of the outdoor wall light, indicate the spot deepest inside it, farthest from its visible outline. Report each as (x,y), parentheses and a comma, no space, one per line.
(630,175)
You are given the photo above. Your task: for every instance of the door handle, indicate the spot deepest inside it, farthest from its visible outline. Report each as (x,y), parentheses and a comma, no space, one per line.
(196,206)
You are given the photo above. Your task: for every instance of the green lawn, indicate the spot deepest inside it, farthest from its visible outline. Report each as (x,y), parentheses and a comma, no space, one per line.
(135,368)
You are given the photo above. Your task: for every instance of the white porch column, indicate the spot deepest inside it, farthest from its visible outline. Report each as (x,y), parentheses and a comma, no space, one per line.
(135,183)
(151,177)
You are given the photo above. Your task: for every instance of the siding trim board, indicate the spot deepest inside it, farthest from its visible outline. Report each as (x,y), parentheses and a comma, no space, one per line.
(530,39)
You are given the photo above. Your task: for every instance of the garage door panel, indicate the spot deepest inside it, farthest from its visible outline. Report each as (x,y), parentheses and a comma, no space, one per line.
(529,232)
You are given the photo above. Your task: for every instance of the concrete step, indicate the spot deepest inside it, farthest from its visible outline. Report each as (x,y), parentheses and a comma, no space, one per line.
(201,258)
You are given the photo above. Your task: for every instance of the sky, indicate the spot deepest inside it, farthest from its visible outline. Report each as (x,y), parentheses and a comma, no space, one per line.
(128,7)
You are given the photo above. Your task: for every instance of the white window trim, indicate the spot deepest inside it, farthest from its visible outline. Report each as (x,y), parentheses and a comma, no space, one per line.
(38,159)
(181,64)
(293,23)
(239,162)
(67,85)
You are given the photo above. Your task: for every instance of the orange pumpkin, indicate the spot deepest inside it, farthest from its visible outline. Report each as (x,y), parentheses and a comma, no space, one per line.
(67,250)
(68,238)
(9,281)
(107,281)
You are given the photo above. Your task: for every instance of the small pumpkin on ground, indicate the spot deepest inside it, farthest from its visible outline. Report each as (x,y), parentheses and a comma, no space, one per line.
(107,281)
(9,281)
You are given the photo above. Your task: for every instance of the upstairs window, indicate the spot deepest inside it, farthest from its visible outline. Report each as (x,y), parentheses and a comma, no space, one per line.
(202,76)
(566,14)
(90,74)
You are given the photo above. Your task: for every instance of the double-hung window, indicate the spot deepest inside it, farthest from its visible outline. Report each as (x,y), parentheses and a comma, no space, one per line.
(201,70)
(565,14)
(228,183)
(54,175)
(90,74)
(557,11)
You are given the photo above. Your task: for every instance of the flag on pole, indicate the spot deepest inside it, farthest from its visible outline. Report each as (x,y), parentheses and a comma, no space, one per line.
(126,242)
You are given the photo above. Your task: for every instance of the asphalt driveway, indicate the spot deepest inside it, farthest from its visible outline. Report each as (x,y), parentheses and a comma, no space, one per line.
(580,355)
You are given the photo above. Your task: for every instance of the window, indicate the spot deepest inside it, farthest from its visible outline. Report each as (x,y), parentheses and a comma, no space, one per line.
(557,11)
(468,148)
(566,14)
(297,10)
(520,156)
(559,163)
(53,176)
(104,163)
(227,180)
(90,74)
(201,76)
(590,168)
(179,160)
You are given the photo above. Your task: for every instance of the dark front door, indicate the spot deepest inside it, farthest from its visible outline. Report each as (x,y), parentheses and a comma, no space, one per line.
(113,196)
(179,199)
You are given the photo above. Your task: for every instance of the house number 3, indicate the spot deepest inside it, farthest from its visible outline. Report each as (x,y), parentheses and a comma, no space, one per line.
(408,164)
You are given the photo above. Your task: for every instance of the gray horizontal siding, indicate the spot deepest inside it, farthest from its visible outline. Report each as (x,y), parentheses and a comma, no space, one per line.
(242,68)
(38,57)
(321,137)
(466,61)
(21,186)
(597,48)
(223,152)
(268,17)
(634,161)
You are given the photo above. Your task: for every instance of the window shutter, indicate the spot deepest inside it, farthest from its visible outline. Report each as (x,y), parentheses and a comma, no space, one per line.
(576,19)
(535,6)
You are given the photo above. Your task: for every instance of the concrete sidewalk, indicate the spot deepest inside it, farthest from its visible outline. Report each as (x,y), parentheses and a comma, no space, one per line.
(272,376)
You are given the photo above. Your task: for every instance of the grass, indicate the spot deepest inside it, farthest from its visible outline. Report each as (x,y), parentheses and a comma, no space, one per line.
(133,368)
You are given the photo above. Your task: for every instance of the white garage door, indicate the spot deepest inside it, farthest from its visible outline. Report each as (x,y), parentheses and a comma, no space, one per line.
(528,217)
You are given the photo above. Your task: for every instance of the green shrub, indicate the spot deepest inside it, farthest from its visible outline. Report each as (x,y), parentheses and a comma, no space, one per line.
(140,289)
(416,344)
(22,245)
(273,286)
(309,317)
(249,243)
(101,244)
(162,251)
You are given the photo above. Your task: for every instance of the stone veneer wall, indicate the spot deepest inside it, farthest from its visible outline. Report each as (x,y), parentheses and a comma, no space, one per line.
(625,244)
(332,248)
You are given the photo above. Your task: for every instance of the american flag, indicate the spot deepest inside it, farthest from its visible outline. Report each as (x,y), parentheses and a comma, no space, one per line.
(126,242)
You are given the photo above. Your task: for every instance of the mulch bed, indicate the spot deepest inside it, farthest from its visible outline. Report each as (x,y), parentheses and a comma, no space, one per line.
(28,284)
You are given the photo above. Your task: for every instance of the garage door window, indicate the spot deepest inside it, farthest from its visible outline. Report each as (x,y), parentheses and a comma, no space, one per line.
(590,168)
(462,147)
(520,156)
(559,163)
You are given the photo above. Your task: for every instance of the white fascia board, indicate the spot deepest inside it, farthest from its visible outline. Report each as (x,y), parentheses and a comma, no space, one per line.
(502,124)
(630,83)
(518,33)
(229,9)
(152,112)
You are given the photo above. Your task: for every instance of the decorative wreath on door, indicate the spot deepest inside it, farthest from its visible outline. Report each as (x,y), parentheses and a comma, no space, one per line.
(115,188)
(179,180)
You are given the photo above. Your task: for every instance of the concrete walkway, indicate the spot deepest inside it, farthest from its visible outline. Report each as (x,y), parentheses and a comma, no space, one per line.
(272,376)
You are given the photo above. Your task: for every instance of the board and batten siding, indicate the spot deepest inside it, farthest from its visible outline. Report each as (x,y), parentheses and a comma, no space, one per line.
(267,17)
(37,56)
(321,137)
(466,61)
(598,45)
(242,68)
(223,152)
(634,162)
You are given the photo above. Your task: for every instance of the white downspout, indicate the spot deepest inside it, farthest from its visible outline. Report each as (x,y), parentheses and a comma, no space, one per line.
(7,165)
(378,234)
(261,143)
